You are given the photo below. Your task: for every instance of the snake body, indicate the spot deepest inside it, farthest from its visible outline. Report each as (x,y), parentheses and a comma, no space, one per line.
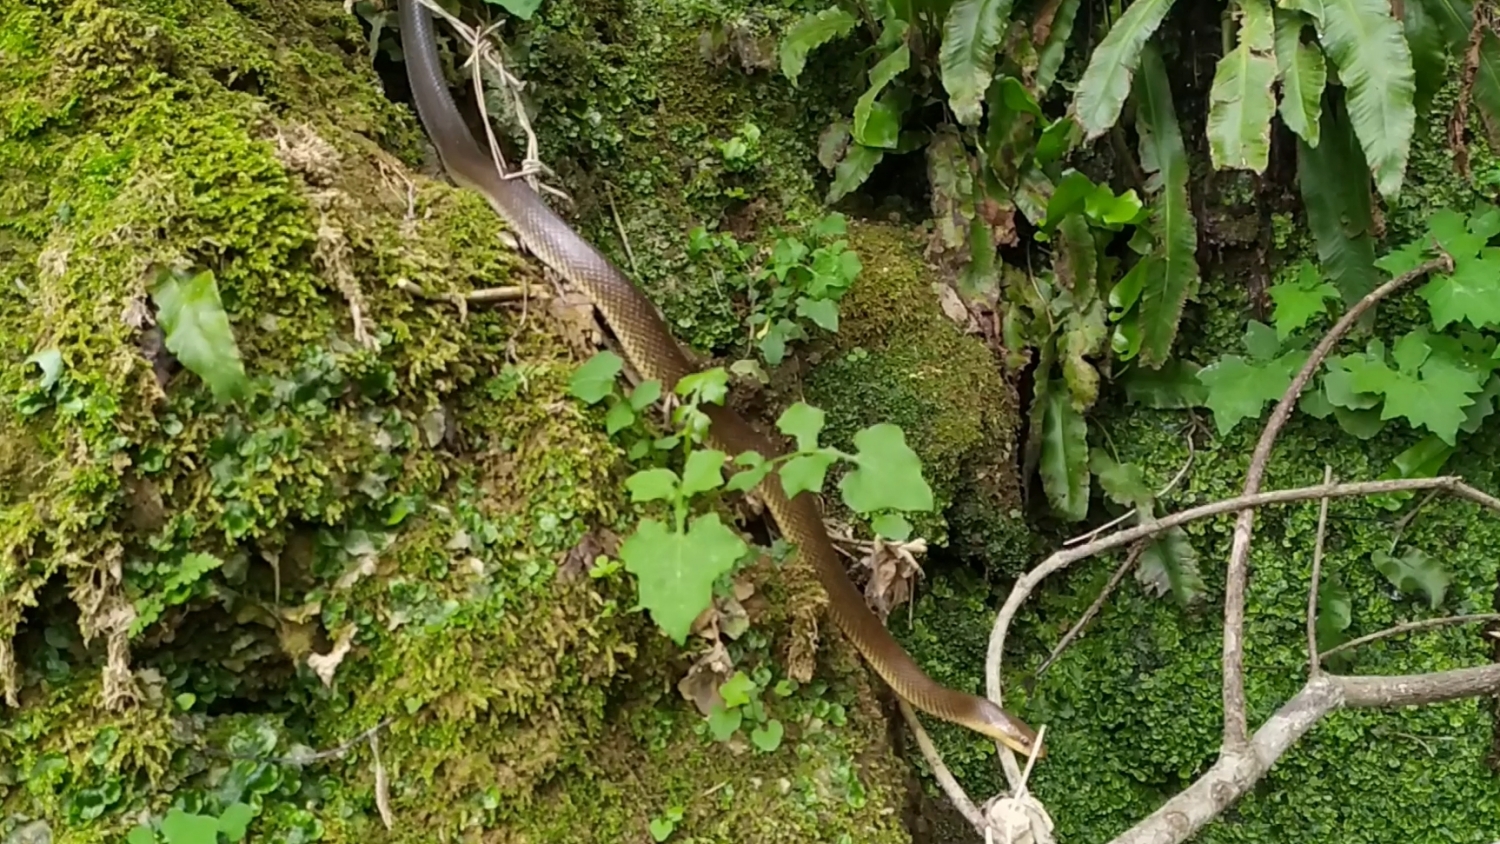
(655,354)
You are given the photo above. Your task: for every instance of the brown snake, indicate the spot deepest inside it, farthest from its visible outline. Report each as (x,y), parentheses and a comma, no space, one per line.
(655,354)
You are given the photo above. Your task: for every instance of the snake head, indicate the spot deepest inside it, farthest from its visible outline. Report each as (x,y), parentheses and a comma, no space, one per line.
(1012,732)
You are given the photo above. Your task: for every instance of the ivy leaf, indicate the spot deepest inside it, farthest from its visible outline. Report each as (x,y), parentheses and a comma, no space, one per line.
(887,473)
(1335,192)
(809,34)
(1297,302)
(1172,272)
(619,417)
(1412,572)
(737,689)
(234,821)
(1338,383)
(1064,455)
(805,472)
(1471,293)
(971,35)
(1241,102)
(1124,483)
(652,485)
(1429,390)
(1170,564)
(723,722)
(596,378)
(179,827)
(1106,81)
(767,738)
(1303,73)
(804,422)
(702,471)
(1237,390)
(1174,386)
(823,312)
(197,331)
(1369,49)
(853,169)
(675,572)
(881,75)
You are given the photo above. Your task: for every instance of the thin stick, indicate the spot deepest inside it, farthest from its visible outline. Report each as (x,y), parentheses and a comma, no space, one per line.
(955,792)
(1406,520)
(1409,627)
(1114,580)
(1235,735)
(1313,664)
(1113,523)
(609,190)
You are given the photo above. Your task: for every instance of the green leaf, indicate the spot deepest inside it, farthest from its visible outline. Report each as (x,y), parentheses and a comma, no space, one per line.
(702,471)
(676,572)
(179,827)
(853,169)
(1471,294)
(971,36)
(881,75)
(1174,386)
(887,473)
(1297,302)
(892,526)
(1050,56)
(767,738)
(140,835)
(1241,102)
(619,417)
(750,477)
(1455,18)
(805,472)
(723,722)
(1064,458)
(1487,85)
(522,9)
(1369,49)
(1172,272)
(1237,390)
(737,689)
(50,362)
(661,829)
(1303,73)
(596,378)
(1429,51)
(1170,564)
(1334,613)
(1335,192)
(1107,79)
(234,822)
(809,34)
(1261,341)
(1412,572)
(1429,390)
(804,422)
(197,330)
(1124,483)
(823,312)
(652,485)
(645,395)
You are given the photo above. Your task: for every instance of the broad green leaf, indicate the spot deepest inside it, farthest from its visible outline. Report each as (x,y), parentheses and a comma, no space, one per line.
(645,395)
(652,485)
(1170,564)
(675,572)
(1174,386)
(723,722)
(881,75)
(1455,18)
(1124,483)
(234,821)
(1369,48)
(522,9)
(971,36)
(768,737)
(1334,613)
(140,835)
(1241,102)
(804,422)
(596,378)
(1487,86)
(1107,80)
(1423,460)
(892,526)
(805,472)
(1471,294)
(1050,56)
(852,170)
(1362,424)
(1413,572)
(755,471)
(1483,406)
(1261,341)
(809,34)
(1429,51)
(1172,274)
(702,471)
(197,330)
(1335,192)
(887,473)
(823,312)
(1064,457)
(1338,383)
(1238,390)
(179,827)
(1297,302)
(1428,390)
(1303,73)
(619,417)
(737,689)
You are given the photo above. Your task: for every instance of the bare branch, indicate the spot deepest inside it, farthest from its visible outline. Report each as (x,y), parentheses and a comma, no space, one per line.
(1313,665)
(1114,580)
(1239,556)
(1235,773)
(955,792)
(1409,627)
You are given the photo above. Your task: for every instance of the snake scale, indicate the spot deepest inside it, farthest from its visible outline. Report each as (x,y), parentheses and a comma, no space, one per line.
(655,354)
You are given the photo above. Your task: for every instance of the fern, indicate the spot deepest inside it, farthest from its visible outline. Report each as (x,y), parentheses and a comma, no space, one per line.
(1241,103)
(971,34)
(1106,81)
(1303,73)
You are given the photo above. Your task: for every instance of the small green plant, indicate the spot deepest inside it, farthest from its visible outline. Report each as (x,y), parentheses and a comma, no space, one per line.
(742,701)
(179,827)
(662,826)
(799,283)
(679,562)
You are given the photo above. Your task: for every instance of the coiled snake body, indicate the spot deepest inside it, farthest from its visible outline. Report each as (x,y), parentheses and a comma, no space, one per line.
(655,354)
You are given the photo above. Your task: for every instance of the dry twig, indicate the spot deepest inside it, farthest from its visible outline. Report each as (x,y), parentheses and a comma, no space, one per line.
(1313,663)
